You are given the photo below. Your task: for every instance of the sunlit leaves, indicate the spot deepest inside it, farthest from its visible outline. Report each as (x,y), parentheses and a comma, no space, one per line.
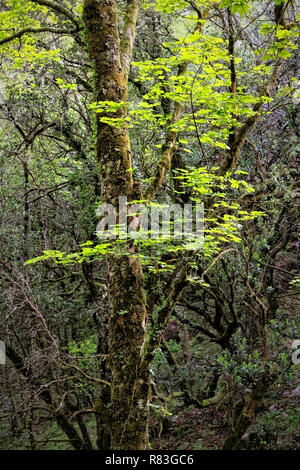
(242,7)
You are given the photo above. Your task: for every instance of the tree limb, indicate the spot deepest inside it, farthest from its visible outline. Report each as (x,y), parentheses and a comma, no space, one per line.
(46,29)
(128,36)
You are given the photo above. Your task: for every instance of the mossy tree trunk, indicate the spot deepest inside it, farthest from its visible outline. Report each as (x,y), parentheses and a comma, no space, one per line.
(246,412)
(128,316)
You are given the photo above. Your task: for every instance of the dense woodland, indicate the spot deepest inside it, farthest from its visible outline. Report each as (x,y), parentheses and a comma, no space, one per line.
(149,343)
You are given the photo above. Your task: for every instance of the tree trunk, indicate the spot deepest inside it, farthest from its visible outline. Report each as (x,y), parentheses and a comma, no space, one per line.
(130,382)
(245,415)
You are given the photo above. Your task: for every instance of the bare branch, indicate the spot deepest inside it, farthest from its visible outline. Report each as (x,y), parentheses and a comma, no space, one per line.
(46,29)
